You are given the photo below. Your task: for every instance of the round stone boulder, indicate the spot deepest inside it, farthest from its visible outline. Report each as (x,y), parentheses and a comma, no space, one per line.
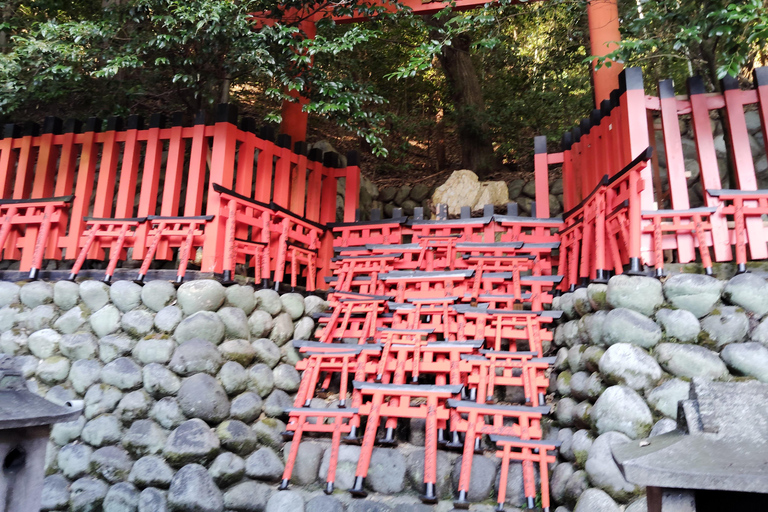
(53,369)
(679,324)
(154,350)
(624,363)
(226,469)
(159,381)
(134,406)
(293,304)
(248,495)
(664,399)
(201,295)
(264,464)
(481,478)
(78,346)
(204,325)
(315,305)
(277,403)
(74,459)
(201,396)
(237,437)
(66,294)
(639,293)
(145,437)
(87,494)
(94,294)
(696,293)
(260,323)
(112,463)
(246,407)
(191,441)
(122,497)
(287,501)
(192,488)
(196,356)
(282,331)
(102,430)
(621,409)
(113,346)
(690,361)
(239,350)
(602,469)
(261,379)
(750,359)
(126,295)
(663,426)
(55,493)
(266,352)
(565,411)
(595,500)
(596,294)
(33,294)
(122,373)
(307,465)
(9,294)
(168,318)
(241,297)
(105,320)
(727,325)
(749,291)
(152,499)
(83,374)
(558,480)
(386,474)
(235,322)
(158,294)
(100,399)
(286,378)
(138,322)
(233,377)
(269,301)
(581,302)
(624,325)
(71,321)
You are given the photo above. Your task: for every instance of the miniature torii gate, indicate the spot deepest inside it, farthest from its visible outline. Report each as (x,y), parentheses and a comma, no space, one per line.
(603,34)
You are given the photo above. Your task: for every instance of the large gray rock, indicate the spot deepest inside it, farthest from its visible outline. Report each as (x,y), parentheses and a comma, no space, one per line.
(113,346)
(204,325)
(122,373)
(595,500)
(9,294)
(260,323)
(277,403)
(112,463)
(168,318)
(81,345)
(227,468)
(192,441)
(585,386)
(269,432)
(558,480)
(66,294)
(386,473)
(641,294)
(679,324)
(151,471)
(101,398)
(138,322)
(248,496)
(159,381)
(596,294)
(235,322)
(324,504)
(167,413)
(33,294)
(307,462)
(286,378)
(264,464)
(102,430)
(126,295)
(55,493)
(624,363)
(105,320)
(201,396)
(664,399)
(261,380)
(74,460)
(591,358)
(563,383)
(246,407)
(749,291)
(690,361)
(134,406)
(94,294)
(154,350)
(288,501)
(122,497)
(193,490)
(71,321)
(241,297)
(63,433)
(152,500)
(568,334)
(83,374)
(565,411)
(293,304)
(750,359)
(41,317)
(696,293)
(8,318)
(315,305)
(481,479)
(282,331)
(581,302)
(145,437)
(266,352)
(663,426)
(760,333)
(53,369)
(590,327)
(345,467)
(158,294)
(602,469)
(269,301)
(621,409)
(581,443)
(729,325)
(627,326)
(237,437)
(202,295)
(87,494)
(303,329)
(576,485)
(575,359)
(415,465)
(196,356)
(233,377)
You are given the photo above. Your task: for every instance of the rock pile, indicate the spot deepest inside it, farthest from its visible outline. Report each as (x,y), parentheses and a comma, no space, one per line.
(625,357)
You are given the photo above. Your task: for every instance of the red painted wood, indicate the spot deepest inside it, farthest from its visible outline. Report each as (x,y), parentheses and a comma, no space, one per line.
(193,203)
(352,193)
(299,197)
(264,171)
(129,171)
(24,167)
(541,177)
(105,188)
(83,190)
(150,183)
(45,172)
(281,192)
(174,173)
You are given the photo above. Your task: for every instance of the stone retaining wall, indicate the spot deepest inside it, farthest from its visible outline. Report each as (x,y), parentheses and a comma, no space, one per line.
(184,392)
(625,356)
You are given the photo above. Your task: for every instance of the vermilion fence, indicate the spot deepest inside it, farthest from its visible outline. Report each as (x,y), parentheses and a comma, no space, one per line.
(610,228)
(162,188)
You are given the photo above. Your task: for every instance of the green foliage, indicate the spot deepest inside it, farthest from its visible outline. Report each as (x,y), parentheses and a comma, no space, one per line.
(713,39)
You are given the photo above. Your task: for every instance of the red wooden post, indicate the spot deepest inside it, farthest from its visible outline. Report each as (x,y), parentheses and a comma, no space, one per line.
(709,174)
(299,196)
(83,189)
(265,166)
(193,203)
(282,185)
(245,158)
(603,37)
(105,188)
(26,162)
(352,187)
(8,159)
(47,156)
(174,169)
(541,167)
(150,183)
(126,192)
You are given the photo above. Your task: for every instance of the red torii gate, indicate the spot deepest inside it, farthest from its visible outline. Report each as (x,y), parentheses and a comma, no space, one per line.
(603,34)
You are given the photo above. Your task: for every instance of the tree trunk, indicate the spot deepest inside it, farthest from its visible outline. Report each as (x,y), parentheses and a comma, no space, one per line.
(468,105)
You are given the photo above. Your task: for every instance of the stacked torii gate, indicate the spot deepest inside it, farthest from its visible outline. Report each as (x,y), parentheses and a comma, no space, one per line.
(603,35)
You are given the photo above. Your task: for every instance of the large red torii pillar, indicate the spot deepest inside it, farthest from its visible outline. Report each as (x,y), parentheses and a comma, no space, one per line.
(603,35)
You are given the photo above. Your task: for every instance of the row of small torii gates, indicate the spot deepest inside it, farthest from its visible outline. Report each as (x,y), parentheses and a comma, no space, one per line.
(445,312)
